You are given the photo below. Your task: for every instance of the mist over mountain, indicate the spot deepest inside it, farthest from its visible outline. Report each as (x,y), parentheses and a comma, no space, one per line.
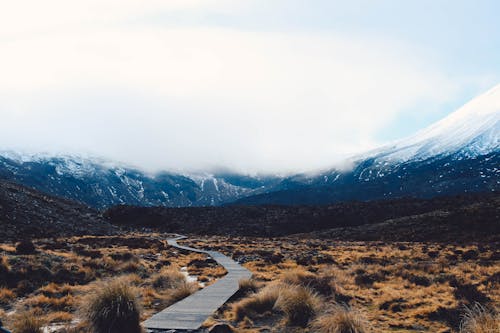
(458,154)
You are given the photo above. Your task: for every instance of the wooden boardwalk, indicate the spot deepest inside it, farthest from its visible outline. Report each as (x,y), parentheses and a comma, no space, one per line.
(190,313)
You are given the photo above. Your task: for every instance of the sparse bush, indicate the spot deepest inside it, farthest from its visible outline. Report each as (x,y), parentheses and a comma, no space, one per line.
(25,247)
(323,283)
(27,322)
(4,265)
(340,319)
(182,291)
(249,285)
(112,308)
(6,295)
(168,278)
(259,303)
(297,276)
(478,319)
(299,304)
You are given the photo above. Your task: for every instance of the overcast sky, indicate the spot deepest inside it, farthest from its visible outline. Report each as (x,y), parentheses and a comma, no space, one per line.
(258,86)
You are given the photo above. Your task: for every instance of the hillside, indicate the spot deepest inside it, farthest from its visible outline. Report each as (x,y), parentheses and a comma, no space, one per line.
(27,213)
(466,218)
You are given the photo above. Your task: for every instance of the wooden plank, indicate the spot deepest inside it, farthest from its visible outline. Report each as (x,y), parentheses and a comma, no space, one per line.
(192,311)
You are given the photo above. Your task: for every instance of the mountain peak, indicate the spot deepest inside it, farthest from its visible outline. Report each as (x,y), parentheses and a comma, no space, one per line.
(473,129)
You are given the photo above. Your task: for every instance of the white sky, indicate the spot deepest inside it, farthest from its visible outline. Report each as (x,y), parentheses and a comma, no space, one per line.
(173,85)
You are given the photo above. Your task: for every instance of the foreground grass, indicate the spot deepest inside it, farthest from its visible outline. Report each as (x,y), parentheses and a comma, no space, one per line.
(299,285)
(53,281)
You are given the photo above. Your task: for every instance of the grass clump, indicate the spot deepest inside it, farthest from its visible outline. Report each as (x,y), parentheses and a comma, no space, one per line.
(249,285)
(299,304)
(182,291)
(27,322)
(323,284)
(340,319)
(478,319)
(259,303)
(168,278)
(112,308)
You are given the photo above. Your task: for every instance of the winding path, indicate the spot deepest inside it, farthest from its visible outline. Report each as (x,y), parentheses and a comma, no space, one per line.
(190,313)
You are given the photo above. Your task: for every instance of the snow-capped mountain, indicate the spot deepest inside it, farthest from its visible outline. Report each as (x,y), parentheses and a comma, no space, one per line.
(458,154)
(100,183)
(472,130)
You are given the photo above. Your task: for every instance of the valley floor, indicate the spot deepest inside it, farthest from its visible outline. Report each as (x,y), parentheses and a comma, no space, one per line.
(405,287)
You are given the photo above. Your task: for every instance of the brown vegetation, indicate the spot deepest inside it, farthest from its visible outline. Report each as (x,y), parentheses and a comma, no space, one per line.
(53,281)
(112,308)
(403,287)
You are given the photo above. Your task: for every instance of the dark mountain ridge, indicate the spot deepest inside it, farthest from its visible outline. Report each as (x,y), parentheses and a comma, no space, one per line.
(470,217)
(27,213)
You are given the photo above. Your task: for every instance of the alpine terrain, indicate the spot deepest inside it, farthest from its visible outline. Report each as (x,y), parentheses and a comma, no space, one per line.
(456,155)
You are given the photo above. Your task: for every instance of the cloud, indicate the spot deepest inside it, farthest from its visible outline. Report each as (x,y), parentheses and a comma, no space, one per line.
(190,98)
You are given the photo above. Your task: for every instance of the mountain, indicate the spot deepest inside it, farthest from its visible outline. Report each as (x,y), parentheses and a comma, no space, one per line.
(458,154)
(101,184)
(26,213)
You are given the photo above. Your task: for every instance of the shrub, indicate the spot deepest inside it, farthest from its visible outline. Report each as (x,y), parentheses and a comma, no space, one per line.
(297,276)
(6,295)
(4,265)
(4,270)
(27,322)
(168,278)
(340,319)
(182,291)
(262,302)
(112,308)
(478,319)
(248,285)
(25,247)
(324,283)
(299,304)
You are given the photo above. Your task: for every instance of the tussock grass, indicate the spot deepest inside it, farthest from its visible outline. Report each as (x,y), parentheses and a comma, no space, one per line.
(249,285)
(112,308)
(6,295)
(259,303)
(4,265)
(182,291)
(478,319)
(168,278)
(299,304)
(324,283)
(340,319)
(27,322)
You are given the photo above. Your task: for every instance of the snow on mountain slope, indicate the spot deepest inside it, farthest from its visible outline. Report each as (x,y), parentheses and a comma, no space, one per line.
(472,130)
(101,183)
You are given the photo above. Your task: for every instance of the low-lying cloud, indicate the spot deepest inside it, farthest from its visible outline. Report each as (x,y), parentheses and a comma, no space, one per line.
(198,97)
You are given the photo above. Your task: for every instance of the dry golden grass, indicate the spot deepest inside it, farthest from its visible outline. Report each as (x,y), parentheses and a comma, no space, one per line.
(402,287)
(249,285)
(112,308)
(167,278)
(56,278)
(257,304)
(340,319)
(27,322)
(299,304)
(405,287)
(6,295)
(478,319)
